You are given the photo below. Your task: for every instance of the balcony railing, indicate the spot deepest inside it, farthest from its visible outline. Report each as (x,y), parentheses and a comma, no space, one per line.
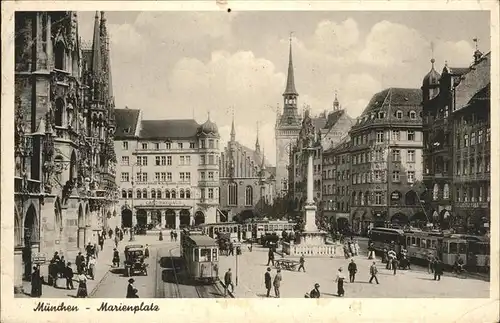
(32,187)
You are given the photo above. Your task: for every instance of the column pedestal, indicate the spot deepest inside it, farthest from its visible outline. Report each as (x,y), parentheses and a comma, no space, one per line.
(191,220)
(162,219)
(177,219)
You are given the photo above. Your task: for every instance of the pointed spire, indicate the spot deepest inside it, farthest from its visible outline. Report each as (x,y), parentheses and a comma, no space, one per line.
(290,80)
(233,132)
(263,162)
(96,57)
(257,145)
(336,104)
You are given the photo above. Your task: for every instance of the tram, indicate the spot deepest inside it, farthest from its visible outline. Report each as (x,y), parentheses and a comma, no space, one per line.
(231,228)
(385,238)
(261,228)
(201,255)
(472,249)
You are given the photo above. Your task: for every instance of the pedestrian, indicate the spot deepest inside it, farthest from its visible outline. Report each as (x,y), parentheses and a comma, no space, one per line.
(228,281)
(231,249)
(101,241)
(391,255)
(91,267)
(352,269)
(371,251)
(175,236)
(68,274)
(110,233)
(160,236)
(82,286)
(130,288)
(384,256)
(146,251)
(89,249)
(340,282)
(117,240)
(36,282)
(267,281)
(356,247)
(430,259)
(373,273)
(302,260)
(395,264)
(438,269)
(56,257)
(171,235)
(270,257)
(52,279)
(315,292)
(116,258)
(277,283)
(79,262)
(61,265)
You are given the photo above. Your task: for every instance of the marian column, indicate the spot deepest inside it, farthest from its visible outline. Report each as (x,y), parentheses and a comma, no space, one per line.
(310,207)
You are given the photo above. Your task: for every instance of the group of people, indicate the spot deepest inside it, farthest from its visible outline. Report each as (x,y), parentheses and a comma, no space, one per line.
(351,248)
(269,282)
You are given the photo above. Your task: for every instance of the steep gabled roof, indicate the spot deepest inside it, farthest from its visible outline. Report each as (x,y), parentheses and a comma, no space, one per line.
(475,81)
(126,122)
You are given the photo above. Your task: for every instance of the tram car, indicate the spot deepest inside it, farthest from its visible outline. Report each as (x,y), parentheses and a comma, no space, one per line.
(473,250)
(201,255)
(386,238)
(231,228)
(262,228)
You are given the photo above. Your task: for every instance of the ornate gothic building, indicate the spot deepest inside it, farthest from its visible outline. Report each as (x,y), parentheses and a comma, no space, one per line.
(247,181)
(64,124)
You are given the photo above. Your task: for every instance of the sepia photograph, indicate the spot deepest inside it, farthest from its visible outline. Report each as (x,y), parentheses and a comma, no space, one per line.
(251,154)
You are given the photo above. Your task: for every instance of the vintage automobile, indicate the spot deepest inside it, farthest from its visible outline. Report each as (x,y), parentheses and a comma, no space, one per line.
(134,260)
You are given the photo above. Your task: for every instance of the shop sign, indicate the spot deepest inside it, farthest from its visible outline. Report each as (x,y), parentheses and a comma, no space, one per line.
(39,258)
(165,203)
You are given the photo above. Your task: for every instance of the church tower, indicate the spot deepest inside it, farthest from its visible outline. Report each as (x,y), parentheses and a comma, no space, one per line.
(287,128)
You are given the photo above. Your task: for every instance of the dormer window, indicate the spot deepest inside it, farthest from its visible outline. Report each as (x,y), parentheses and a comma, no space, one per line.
(381,115)
(413,115)
(399,114)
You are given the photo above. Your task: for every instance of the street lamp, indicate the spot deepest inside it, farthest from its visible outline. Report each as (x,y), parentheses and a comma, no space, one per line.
(132,237)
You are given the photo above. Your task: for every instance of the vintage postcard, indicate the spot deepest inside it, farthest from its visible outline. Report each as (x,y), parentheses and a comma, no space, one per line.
(254,154)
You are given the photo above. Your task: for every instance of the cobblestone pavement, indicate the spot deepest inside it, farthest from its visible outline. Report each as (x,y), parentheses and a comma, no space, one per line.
(406,283)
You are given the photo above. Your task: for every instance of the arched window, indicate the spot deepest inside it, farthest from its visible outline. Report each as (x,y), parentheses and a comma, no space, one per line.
(144,194)
(361,198)
(139,194)
(153,194)
(435,192)
(124,194)
(248,195)
(188,194)
(59,56)
(353,198)
(59,113)
(173,194)
(130,194)
(167,194)
(181,194)
(446,192)
(411,198)
(158,194)
(232,194)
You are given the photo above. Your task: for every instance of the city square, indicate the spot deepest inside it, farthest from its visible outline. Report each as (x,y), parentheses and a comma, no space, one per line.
(187,182)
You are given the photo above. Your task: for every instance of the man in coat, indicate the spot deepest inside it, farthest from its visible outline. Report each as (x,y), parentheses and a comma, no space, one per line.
(315,292)
(68,274)
(302,260)
(373,273)
(438,269)
(277,283)
(267,281)
(228,281)
(130,288)
(352,269)
(270,257)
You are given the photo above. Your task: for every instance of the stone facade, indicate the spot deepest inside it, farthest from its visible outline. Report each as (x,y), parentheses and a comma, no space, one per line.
(64,174)
(168,171)
(247,180)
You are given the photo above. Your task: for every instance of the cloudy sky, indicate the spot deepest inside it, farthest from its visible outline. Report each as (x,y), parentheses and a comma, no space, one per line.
(184,64)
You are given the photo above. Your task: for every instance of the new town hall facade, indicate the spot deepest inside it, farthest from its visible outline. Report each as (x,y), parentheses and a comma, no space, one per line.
(65,189)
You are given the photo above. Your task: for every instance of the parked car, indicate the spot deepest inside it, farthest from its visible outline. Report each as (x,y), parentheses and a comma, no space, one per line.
(134,260)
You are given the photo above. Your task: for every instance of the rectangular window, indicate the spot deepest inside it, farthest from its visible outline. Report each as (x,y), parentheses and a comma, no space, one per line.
(458,168)
(396,135)
(396,155)
(169,176)
(182,177)
(411,135)
(169,160)
(377,175)
(480,136)
(472,138)
(465,167)
(125,177)
(410,156)
(411,176)
(202,160)
(203,145)
(395,176)
(163,160)
(211,159)
(144,160)
(179,145)
(378,198)
(168,145)
(125,160)
(181,160)
(466,140)
(157,160)
(138,160)
(191,145)
(211,175)
(138,177)
(202,175)
(202,193)
(210,193)
(163,176)
(211,143)
(125,145)
(144,145)
(188,160)
(380,136)
(157,146)
(157,176)
(188,177)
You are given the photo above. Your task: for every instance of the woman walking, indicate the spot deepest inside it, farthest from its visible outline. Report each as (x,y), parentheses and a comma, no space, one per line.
(82,286)
(340,282)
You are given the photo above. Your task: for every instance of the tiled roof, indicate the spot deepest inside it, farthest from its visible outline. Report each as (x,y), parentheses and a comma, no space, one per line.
(333,118)
(476,81)
(165,129)
(319,122)
(126,122)
(456,70)
(254,156)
